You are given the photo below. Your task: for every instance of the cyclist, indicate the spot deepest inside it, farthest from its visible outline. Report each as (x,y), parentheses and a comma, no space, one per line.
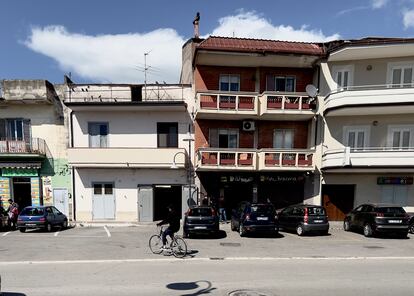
(173,221)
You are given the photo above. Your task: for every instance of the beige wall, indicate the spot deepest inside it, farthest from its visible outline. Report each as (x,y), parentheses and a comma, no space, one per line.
(367,189)
(126,188)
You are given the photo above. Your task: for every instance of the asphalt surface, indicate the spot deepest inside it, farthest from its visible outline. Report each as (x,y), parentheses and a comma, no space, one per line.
(117,261)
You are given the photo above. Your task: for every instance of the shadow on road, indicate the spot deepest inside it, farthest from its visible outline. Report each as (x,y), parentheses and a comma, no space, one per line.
(12,294)
(265,235)
(220,235)
(204,287)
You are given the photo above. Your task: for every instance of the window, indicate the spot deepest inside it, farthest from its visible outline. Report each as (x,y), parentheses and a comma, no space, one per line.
(229,82)
(224,138)
(103,189)
(280,83)
(343,76)
(55,211)
(356,137)
(167,134)
(15,129)
(400,74)
(98,134)
(399,137)
(283,138)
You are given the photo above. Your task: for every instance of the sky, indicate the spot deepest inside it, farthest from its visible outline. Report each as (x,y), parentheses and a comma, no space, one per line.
(106,41)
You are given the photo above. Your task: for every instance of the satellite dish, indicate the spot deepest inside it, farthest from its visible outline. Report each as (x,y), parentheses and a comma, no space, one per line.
(311,90)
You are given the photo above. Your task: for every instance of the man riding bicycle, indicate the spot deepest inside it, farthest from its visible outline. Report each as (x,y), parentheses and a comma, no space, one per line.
(173,219)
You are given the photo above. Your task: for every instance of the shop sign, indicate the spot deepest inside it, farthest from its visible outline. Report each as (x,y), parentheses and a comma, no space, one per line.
(4,192)
(395,180)
(15,172)
(236,179)
(47,190)
(282,179)
(35,189)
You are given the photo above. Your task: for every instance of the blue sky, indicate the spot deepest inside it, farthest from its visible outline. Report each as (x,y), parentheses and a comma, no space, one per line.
(105,41)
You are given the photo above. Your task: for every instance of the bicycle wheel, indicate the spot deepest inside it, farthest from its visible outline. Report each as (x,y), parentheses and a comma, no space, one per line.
(179,247)
(155,244)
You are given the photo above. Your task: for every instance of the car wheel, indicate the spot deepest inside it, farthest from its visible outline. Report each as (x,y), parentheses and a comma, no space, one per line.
(347,225)
(242,232)
(367,230)
(22,229)
(299,230)
(65,224)
(411,228)
(49,227)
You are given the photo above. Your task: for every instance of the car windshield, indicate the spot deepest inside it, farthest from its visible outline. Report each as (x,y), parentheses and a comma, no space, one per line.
(201,212)
(262,209)
(316,211)
(391,210)
(32,212)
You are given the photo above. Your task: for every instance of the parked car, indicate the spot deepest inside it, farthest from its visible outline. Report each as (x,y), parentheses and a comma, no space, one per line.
(254,217)
(44,217)
(201,220)
(4,219)
(304,219)
(378,218)
(411,223)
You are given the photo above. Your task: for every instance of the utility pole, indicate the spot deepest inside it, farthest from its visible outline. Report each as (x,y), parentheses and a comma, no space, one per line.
(145,73)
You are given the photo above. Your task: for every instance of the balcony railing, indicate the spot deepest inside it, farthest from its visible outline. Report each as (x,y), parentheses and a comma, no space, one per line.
(287,101)
(286,159)
(225,158)
(262,159)
(32,146)
(369,157)
(228,101)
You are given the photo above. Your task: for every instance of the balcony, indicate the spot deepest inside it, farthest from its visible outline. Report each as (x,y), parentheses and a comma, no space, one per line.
(286,160)
(126,157)
(368,158)
(34,147)
(226,159)
(289,106)
(370,100)
(227,105)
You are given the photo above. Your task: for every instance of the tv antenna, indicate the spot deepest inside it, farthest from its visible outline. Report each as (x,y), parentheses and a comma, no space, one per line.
(145,72)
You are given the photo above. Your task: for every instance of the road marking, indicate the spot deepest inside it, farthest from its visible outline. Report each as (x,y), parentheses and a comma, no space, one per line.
(56,233)
(6,233)
(107,231)
(5,263)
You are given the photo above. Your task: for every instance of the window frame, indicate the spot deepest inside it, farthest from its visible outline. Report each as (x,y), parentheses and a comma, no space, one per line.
(399,65)
(281,76)
(356,128)
(175,123)
(343,68)
(401,128)
(229,77)
(236,130)
(107,136)
(284,141)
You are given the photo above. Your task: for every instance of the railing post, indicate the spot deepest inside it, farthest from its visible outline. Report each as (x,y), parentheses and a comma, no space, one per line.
(218,102)
(237,102)
(283,102)
(300,102)
(297,159)
(280,159)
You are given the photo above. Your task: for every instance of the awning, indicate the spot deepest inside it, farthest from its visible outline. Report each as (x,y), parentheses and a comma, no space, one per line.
(20,165)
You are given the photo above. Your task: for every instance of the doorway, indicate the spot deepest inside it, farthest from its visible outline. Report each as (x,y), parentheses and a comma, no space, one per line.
(103,201)
(338,200)
(60,200)
(22,194)
(164,196)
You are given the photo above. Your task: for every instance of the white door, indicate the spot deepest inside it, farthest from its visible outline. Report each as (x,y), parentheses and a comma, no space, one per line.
(103,201)
(60,200)
(394,194)
(145,204)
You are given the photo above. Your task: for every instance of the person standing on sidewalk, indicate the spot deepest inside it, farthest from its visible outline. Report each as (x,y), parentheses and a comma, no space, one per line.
(13,212)
(222,209)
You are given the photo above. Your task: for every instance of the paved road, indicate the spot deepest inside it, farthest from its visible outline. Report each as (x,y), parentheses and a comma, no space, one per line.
(210,277)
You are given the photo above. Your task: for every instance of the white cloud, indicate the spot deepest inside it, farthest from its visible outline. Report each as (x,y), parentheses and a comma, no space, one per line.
(408,19)
(112,58)
(252,25)
(378,3)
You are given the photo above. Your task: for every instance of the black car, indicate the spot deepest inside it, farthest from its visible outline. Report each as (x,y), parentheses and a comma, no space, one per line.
(4,219)
(201,220)
(44,217)
(411,223)
(304,219)
(254,217)
(378,218)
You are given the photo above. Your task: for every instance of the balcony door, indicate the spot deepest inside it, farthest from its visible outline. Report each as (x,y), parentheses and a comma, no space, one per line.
(401,74)
(356,137)
(343,76)
(15,135)
(224,138)
(283,138)
(400,137)
(98,134)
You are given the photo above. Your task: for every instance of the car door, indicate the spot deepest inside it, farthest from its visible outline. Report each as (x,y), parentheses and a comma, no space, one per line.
(59,217)
(50,217)
(355,216)
(282,218)
(365,215)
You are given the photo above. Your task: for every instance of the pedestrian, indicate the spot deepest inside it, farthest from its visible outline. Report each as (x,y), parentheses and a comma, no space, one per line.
(222,209)
(204,202)
(13,212)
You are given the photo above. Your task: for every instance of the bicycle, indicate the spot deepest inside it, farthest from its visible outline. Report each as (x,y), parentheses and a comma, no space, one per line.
(177,245)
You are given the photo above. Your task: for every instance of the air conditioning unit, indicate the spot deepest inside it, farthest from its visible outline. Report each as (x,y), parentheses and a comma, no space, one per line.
(248,126)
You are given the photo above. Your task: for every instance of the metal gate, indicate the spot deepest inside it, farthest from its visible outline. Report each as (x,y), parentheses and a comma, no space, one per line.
(103,201)
(60,200)
(145,204)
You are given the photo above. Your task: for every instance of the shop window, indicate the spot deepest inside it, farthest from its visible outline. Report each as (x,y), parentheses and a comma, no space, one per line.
(167,133)
(98,134)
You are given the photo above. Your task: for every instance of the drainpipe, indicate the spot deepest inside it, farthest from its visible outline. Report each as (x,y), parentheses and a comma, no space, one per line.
(73,169)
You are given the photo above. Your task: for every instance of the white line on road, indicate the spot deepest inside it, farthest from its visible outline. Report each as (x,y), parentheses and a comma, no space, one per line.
(56,233)
(107,231)
(5,263)
(6,233)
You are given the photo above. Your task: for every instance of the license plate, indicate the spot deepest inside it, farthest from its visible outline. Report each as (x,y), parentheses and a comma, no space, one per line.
(200,227)
(30,224)
(394,221)
(318,221)
(263,218)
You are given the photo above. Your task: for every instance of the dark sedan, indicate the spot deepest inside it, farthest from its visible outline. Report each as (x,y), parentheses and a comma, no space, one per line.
(4,219)
(255,217)
(373,219)
(304,219)
(201,220)
(44,217)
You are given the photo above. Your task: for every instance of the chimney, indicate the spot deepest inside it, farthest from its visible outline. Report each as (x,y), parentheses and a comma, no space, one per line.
(196,28)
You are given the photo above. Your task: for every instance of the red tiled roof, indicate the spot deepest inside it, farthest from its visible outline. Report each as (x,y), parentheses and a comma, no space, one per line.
(260,45)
